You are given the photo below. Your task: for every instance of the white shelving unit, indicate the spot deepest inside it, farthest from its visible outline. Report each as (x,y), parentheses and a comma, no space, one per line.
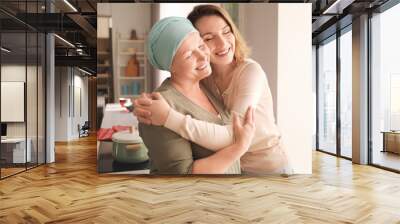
(128,86)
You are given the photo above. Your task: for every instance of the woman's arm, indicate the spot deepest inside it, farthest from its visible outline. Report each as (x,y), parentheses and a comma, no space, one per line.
(221,160)
(249,88)
(171,154)
(251,84)
(209,135)
(156,111)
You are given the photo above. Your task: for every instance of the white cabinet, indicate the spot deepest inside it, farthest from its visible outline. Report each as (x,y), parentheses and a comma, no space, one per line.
(131,86)
(17,148)
(19,152)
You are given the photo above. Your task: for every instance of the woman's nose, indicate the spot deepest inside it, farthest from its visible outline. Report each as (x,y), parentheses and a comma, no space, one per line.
(207,50)
(220,42)
(203,54)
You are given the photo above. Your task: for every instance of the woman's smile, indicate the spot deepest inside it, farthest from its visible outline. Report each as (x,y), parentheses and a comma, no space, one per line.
(223,52)
(202,66)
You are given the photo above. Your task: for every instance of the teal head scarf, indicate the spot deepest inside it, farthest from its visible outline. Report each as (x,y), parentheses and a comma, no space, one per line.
(165,38)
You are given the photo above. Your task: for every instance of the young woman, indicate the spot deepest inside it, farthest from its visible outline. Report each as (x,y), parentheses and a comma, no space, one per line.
(236,80)
(176,46)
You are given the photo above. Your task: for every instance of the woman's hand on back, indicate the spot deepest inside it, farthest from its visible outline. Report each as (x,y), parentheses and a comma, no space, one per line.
(151,109)
(244,130)
(139,105)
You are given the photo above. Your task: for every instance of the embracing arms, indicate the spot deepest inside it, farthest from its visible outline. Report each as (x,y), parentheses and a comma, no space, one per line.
(249,87)
(171,154)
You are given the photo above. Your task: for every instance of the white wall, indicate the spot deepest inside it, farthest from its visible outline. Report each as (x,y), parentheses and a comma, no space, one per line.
(80,82)
(17,73)
(14,73)
(66,120)
(34,124)
(260,30)
(61,103)
(280,37)
(127,16)
(294,90)
(314,96)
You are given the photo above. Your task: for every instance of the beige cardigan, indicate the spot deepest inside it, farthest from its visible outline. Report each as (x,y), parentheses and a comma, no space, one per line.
(249,87)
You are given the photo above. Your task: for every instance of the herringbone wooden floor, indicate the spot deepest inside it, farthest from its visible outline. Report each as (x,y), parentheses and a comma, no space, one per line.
(71,191)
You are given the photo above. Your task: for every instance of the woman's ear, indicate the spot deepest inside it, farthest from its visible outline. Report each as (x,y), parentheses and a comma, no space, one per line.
(173,68)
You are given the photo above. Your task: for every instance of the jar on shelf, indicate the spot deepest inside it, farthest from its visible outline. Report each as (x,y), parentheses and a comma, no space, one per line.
(132,68)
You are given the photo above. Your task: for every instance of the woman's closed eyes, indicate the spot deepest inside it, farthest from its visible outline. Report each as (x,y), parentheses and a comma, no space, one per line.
(188,55)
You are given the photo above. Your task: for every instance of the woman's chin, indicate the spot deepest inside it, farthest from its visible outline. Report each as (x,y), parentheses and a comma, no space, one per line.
(205,74)
(222,61)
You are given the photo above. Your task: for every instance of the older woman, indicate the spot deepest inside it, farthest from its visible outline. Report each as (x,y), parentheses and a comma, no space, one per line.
(176,46)
(239,82)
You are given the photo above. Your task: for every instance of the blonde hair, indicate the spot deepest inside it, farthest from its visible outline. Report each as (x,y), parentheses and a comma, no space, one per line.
(242,51)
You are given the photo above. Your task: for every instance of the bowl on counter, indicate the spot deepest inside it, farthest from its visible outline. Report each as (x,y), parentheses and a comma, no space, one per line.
(129,148)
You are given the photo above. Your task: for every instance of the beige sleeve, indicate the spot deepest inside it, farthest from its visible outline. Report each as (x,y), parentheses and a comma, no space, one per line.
(209,135)
(251,84)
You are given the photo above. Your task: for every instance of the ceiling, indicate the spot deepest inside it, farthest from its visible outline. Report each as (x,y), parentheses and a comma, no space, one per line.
(74,22)
(77,24)
(332,15)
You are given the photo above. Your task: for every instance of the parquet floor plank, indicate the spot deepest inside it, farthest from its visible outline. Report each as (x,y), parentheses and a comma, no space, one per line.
(71,191)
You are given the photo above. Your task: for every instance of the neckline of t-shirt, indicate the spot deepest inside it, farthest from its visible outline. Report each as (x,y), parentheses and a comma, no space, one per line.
(236,71)
(212,115)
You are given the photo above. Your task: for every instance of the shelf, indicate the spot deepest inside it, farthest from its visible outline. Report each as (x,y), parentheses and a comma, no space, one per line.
(131,53)
(127,86)
(141,64)
(140,41)
(103,75)
(132,78)
(103,87)
(127,96)
(102,52)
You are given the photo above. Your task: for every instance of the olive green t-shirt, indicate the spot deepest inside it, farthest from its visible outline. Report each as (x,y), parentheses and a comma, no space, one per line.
(169,152)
